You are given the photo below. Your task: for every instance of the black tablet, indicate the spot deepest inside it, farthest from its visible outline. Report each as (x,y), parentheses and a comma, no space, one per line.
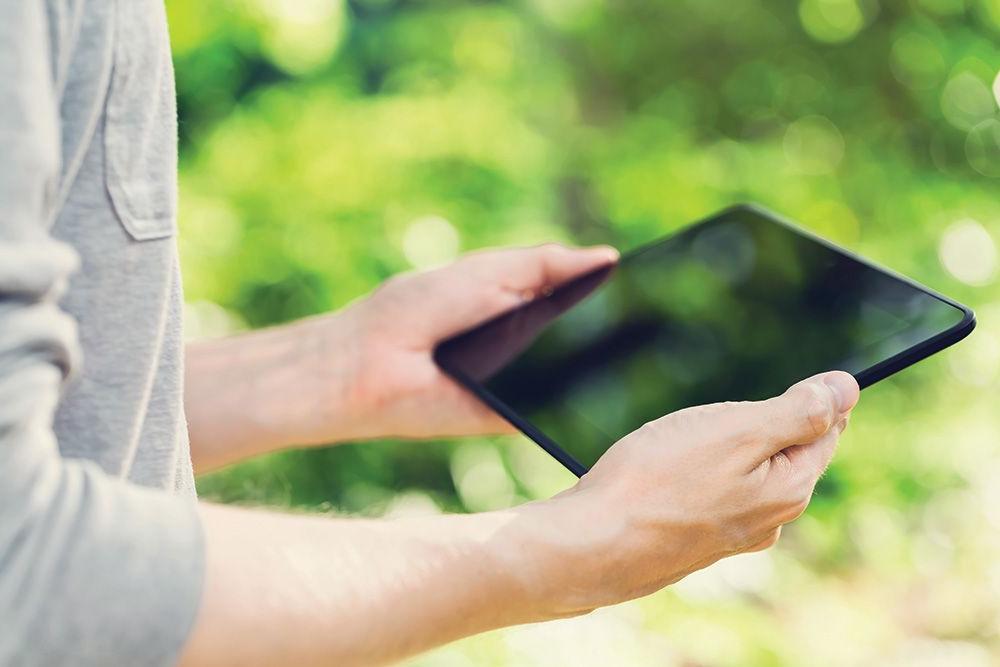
(736,307)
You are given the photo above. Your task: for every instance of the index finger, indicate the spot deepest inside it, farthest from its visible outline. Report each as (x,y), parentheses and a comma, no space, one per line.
(485,284)
(532,270)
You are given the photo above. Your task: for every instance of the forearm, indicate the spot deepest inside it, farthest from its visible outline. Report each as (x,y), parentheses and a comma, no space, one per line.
(257,392)
(317,591)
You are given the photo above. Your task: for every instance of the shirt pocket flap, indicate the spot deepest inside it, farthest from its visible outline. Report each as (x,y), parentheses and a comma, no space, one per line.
(140,131)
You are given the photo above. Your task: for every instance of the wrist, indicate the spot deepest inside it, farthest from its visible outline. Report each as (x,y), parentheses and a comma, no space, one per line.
(273,388)
(561,553)
(316,394)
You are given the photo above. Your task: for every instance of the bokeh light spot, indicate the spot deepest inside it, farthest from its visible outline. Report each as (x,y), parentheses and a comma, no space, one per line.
(813,145)
(916,61)
(301,35)
(966,101)
(566,13)
(982,148)
(430,241)
(481,478)
(412,503)
(729,578)
(968,252)
(540,474)
(205,319)
(831,21)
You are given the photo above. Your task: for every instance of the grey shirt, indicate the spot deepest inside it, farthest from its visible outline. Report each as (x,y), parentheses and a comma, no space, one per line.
(101,552)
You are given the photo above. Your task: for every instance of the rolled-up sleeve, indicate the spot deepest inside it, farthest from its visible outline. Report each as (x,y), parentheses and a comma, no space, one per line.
(93,570)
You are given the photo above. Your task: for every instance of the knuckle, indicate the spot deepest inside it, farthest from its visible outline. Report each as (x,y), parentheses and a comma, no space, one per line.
(796,505)
(654,430)
(771,539)
(796,510)
(550,249)
(781,464)
(499,300)
(817,412)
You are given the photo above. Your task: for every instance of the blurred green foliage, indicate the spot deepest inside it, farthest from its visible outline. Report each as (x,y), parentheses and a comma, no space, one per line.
(328,144)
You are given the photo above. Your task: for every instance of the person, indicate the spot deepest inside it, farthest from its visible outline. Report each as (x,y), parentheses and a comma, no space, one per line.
(107,557)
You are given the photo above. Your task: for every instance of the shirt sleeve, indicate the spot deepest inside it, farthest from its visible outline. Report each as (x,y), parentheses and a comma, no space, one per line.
(93,570)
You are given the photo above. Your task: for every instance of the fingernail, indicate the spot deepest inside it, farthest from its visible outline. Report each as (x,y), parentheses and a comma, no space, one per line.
(844,387)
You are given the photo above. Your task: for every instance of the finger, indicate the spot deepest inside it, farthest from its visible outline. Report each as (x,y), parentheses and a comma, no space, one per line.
(531,271)
(486,284)
(791,474)
(811,460)
(803,414)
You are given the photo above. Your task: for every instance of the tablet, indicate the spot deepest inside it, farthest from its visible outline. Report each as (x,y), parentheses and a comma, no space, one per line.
(736,307)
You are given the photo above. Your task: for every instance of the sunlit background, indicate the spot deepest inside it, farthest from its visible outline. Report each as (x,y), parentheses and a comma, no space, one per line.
(327,144)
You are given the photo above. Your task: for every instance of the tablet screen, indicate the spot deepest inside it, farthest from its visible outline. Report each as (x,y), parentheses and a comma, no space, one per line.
(735,308)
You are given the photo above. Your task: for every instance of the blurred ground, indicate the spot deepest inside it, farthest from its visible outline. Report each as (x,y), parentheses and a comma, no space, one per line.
(329,144)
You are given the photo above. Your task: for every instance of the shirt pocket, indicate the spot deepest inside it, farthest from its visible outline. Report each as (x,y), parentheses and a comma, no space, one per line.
(140,122)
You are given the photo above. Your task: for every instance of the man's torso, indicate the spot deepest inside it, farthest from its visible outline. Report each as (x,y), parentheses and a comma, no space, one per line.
(117,207)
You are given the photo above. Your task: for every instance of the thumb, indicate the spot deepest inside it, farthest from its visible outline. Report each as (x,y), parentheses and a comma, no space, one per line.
(805,413)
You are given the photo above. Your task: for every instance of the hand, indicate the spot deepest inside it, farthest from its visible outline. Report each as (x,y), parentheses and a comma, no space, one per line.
(365,371)
(687,490)
(398,389)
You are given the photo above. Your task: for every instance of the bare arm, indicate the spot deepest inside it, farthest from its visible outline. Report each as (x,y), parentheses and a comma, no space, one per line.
(317,591)
(258,392)
(671,498)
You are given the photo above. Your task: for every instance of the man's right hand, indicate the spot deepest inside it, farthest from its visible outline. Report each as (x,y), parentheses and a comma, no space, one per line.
(673,497)
(685,491)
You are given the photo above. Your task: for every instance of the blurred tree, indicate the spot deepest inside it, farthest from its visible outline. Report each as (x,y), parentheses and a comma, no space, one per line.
(328,144)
